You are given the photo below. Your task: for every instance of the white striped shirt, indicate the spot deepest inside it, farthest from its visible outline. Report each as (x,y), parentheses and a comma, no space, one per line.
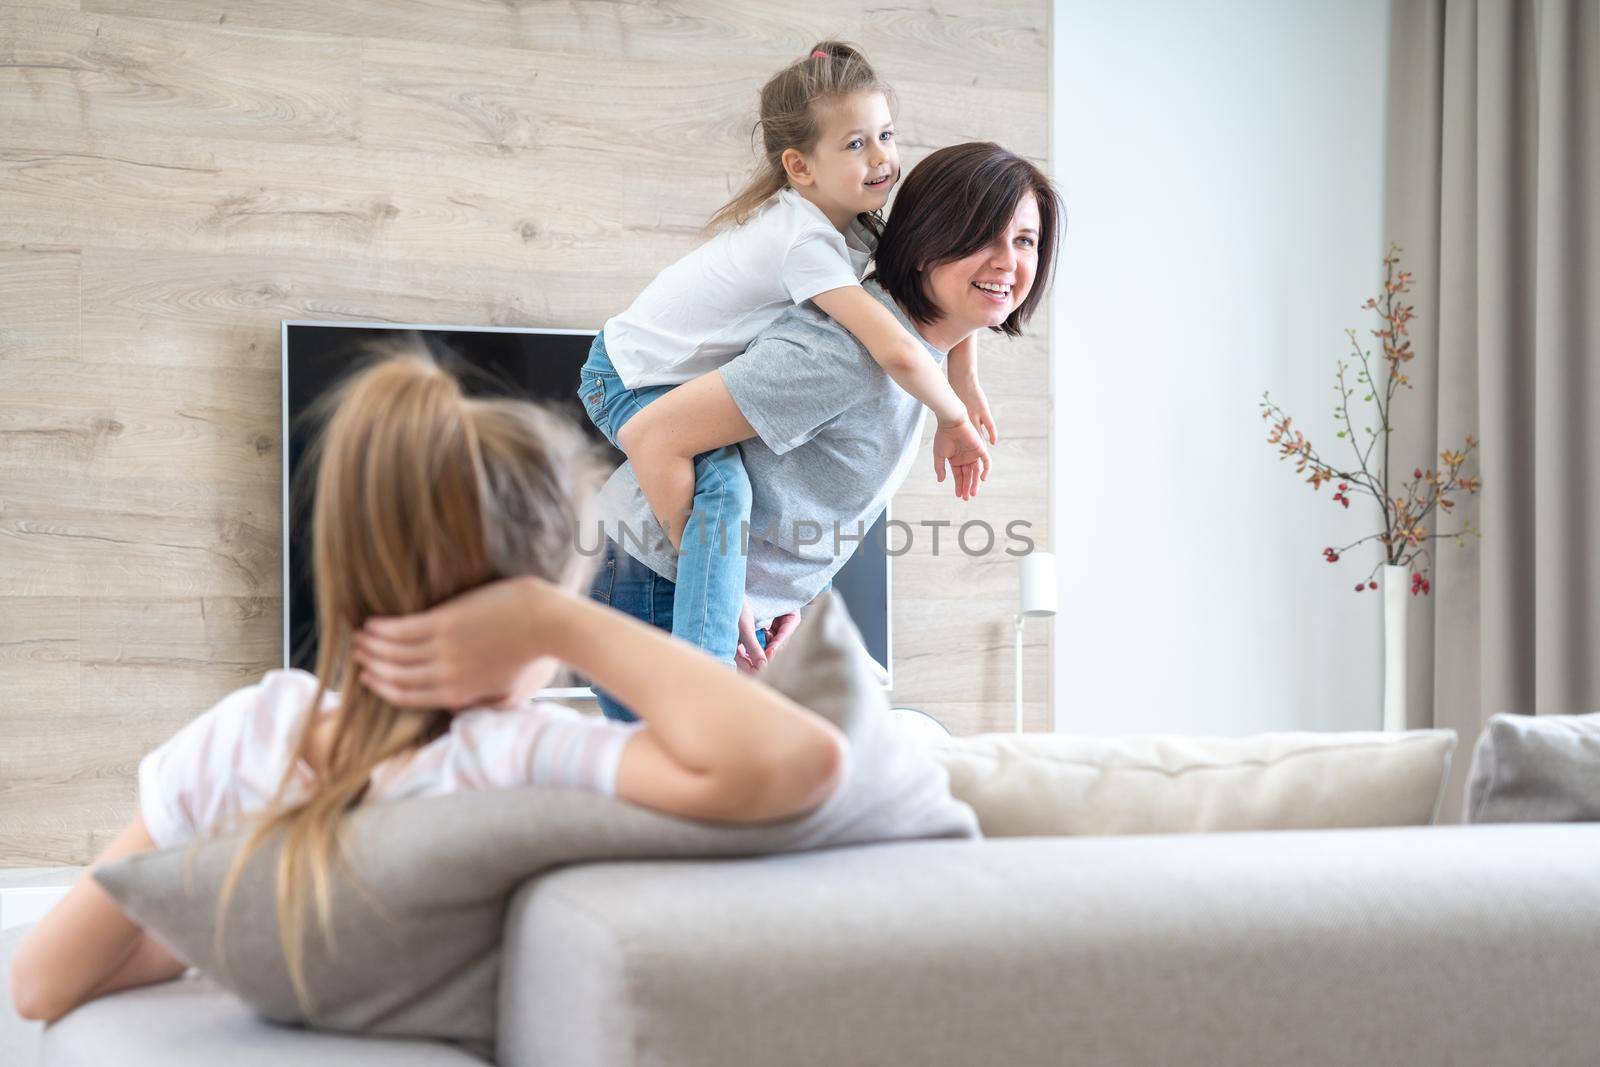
(228,761)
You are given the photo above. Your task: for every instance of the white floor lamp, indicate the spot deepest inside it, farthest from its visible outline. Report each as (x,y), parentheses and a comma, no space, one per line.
(1036,599)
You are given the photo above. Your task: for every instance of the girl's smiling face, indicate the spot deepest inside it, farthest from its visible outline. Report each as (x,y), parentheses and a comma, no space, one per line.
(854,164)
(986,286)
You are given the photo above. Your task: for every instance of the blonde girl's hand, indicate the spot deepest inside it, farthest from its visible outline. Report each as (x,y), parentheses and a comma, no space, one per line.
(465,652)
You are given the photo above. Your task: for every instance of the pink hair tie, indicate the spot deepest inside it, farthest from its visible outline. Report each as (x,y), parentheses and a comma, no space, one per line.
(819,54)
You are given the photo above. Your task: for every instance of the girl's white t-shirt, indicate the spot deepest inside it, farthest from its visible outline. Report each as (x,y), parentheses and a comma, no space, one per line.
(708,306)
(228,761)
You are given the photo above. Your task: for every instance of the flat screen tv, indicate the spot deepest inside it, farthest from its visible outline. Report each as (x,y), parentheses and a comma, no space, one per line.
(538,364)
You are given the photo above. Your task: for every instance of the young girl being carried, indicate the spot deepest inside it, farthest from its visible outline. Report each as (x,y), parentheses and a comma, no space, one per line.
(421,494)
(803,228)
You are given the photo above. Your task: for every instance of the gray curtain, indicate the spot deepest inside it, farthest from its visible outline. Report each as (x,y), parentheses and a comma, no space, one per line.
(1493,193)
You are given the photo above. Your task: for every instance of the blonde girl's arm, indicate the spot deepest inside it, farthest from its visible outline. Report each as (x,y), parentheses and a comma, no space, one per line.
(85,947)
(715,745)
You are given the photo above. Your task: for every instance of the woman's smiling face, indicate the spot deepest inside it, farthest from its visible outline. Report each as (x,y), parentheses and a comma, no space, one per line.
(983,288)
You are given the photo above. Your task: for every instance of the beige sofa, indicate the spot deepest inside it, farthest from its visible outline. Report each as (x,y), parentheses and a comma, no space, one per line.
(1105,937)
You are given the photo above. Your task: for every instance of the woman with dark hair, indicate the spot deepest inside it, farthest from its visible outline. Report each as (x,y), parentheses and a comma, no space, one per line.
(958,204)
(825,434)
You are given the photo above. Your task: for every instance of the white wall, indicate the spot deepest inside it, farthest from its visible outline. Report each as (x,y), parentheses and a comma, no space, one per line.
(1222,166)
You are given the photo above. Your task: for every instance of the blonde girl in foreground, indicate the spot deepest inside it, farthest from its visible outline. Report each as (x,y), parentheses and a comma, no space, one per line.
(423,494)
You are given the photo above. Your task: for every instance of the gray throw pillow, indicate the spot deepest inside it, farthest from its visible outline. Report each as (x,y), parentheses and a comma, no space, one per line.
(1535,768)
(443,868)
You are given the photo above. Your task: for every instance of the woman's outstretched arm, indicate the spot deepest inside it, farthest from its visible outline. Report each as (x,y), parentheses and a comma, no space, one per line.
(85,947)
(715,746)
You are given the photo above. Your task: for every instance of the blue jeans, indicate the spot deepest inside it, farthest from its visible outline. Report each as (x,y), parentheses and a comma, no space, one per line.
(709,590)
(634,589)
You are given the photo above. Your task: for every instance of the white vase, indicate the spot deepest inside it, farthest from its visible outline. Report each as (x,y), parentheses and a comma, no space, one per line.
(1395,592)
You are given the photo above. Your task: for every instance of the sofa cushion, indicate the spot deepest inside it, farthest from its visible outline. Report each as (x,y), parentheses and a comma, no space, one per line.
(1030,784)
(1535,768)
(442,867)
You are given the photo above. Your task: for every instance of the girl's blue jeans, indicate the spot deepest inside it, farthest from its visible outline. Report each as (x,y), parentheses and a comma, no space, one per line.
(702,606)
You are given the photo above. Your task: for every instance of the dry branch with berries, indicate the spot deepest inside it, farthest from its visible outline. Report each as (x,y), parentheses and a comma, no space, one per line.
(1404,536)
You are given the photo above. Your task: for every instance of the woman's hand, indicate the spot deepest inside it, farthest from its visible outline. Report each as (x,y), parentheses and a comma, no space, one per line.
(466,652)
(777,634)
(748,655)
(779,631)
(977,402)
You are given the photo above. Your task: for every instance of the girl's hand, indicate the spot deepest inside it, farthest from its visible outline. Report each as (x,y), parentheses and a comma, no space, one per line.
(466,652)
(961,447)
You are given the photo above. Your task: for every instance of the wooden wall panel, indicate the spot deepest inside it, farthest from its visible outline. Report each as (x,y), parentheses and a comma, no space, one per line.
(116,76)
(177,176)
(39,292)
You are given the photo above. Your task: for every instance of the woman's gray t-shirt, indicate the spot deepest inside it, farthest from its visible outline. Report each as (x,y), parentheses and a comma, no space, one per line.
(836,437)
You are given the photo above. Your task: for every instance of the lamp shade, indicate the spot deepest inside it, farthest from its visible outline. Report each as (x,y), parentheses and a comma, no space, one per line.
(1036,585)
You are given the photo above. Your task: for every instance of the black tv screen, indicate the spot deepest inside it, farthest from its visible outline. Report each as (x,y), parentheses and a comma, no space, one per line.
(537,364)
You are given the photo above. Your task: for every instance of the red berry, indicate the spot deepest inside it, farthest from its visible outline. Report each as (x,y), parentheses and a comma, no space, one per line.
(1360,587)
(1372,585)
(1417,473)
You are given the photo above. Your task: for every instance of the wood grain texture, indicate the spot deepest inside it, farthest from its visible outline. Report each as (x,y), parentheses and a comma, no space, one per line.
(350,203)
(39,290)
(709,30)
(114,76)
(148,537)
(69,419)
(177,176)
(224,309)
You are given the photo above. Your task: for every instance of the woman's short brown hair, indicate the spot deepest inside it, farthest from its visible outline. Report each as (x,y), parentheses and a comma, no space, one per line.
(953,203)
